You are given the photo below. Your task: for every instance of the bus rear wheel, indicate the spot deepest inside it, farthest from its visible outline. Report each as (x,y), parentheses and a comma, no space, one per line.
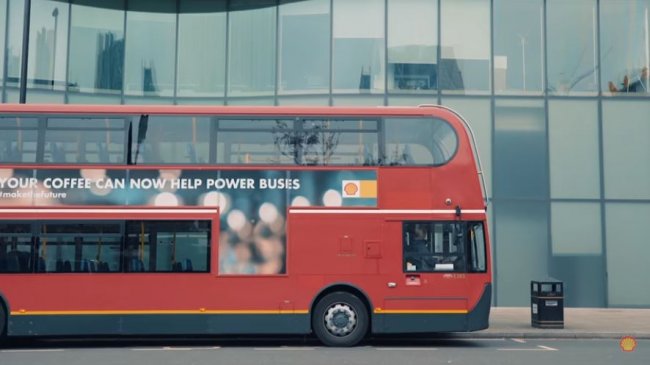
(340,319)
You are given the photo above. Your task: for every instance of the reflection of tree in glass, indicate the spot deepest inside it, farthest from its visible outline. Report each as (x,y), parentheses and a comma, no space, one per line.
(310,146)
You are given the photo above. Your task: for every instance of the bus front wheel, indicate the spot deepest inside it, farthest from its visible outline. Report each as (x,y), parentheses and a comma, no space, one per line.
(340,319)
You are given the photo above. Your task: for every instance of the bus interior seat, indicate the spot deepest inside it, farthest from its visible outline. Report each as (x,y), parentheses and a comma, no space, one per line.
(188,265)
(67,266)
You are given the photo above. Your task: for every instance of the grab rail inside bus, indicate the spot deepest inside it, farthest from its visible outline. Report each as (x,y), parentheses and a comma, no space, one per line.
(474,149)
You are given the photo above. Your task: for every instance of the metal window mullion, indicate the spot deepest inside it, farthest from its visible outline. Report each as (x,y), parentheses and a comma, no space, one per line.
(276,82)
(67,56)
(226,79)
(25,52)
(3,53)
(331,55)
(386,52)
(126,10)
(176,53)
(601,163)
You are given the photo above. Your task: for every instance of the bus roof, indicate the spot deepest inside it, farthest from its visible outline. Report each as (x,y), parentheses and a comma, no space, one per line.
(434,110)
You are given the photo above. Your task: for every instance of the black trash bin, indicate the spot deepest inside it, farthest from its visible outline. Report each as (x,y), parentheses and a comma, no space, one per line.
(547,304)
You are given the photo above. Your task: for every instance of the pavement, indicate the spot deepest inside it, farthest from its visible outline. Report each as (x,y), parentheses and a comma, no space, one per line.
(582,323)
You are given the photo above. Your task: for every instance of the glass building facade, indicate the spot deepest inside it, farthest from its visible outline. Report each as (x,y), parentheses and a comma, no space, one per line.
(556,91)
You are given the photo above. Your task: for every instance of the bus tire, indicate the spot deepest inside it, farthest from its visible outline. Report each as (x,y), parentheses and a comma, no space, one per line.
(340,319)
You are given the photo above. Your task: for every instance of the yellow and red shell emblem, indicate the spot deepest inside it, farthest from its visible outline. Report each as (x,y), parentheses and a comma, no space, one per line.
(628,343)
(351,188)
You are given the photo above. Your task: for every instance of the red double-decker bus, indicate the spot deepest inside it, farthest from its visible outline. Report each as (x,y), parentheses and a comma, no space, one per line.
(139,220)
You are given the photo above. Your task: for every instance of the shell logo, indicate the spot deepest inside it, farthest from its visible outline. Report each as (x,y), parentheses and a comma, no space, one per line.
(628,344)
(351,189)
(359,189)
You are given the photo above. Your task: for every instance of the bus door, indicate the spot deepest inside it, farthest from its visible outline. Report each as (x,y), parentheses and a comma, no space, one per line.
(431,278)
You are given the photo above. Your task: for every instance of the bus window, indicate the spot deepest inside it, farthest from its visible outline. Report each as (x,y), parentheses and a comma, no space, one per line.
(341,142)
(18,139)
(164,246)
(434,247)
(477,247)
(256,141)
(84,140)
(79,247)
(15,248)
(419,141)
(170,139)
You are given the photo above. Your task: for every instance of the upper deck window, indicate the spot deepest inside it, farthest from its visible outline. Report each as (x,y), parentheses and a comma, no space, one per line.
(201,140)
(419,141)
(18,139)
(170,139)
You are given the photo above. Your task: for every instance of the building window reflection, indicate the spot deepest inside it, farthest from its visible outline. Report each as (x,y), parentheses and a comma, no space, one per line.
(625,63)
(412,45)
(96,47)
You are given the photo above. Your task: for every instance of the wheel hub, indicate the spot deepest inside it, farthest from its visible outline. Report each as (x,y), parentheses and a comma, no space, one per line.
(340,319)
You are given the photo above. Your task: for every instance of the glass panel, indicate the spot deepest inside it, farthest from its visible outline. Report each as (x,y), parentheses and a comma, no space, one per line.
(520,165)
(521,249)
(251,147)
(201,48)
(465,52)
(357,100)
(572,60)
(18,122)
(96,146)
(86,123)
(412,100)
(13,55)
(324,145)
(167,246)
(18,145)
(79,247)
(358,59)
(575,229)
(624,46)
(299,100)
(96,47)
(40,96)
(434,247)
(626,149)
(412,45)
(478,114)
(477,254)
(15,248)
(164,139)
(78,98)
(304,46)
(573,149)
(151,28)
(419,141)
(252,47)
(627,254)
(518,46)
(48,44)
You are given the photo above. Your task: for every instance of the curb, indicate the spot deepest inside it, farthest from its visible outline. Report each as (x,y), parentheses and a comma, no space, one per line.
(553,334)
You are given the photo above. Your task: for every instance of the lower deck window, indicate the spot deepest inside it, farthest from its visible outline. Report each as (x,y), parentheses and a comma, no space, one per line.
(105,246)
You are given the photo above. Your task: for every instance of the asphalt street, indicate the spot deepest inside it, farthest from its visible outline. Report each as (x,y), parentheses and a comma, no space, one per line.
(288,352)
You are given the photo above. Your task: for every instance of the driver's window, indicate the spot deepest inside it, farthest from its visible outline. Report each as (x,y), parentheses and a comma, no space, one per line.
(434,247)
